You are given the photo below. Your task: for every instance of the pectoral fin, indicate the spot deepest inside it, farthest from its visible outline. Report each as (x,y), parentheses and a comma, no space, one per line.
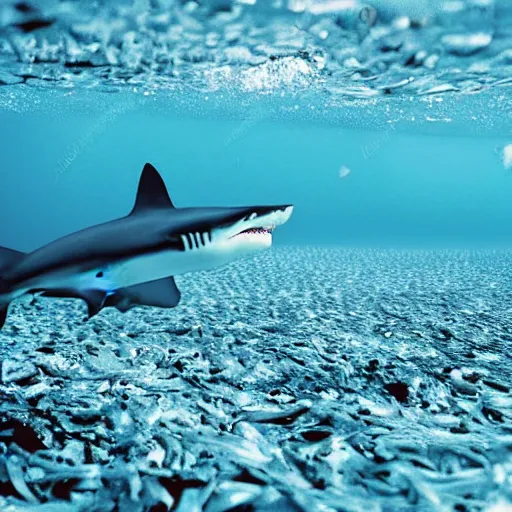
(162,293)
(95,299)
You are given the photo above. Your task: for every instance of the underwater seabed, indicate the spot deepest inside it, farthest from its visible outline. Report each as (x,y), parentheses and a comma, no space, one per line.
(313,379)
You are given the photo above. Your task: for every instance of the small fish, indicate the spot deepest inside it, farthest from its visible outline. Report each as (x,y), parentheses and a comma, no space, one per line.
(344,172)
(507,156)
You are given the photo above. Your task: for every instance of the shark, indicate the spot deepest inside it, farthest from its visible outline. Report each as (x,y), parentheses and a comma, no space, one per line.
(131,261)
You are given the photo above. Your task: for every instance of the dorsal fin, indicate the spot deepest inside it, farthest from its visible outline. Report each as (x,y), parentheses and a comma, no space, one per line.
(152,192)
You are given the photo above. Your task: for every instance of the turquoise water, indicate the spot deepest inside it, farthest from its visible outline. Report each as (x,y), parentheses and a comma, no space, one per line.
(404,188)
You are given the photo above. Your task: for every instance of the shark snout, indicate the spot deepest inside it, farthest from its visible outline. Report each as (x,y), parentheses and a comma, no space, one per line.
(283,214)
(260,222)
(268,216)
(275,216)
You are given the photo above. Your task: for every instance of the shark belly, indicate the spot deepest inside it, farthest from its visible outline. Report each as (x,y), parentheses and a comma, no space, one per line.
(136,270)
(159,265)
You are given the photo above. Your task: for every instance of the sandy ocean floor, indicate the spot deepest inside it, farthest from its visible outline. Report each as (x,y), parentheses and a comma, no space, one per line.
(309,379)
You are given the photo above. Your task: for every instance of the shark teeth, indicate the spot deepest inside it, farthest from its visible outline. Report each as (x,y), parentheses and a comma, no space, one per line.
(257,231)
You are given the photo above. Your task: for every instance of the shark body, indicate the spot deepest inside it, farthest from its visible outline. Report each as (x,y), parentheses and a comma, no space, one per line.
(132,260)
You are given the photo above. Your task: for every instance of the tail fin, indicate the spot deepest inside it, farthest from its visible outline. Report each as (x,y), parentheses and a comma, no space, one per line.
(8,258)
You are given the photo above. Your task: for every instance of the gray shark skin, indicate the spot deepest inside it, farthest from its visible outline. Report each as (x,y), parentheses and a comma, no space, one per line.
(132,260)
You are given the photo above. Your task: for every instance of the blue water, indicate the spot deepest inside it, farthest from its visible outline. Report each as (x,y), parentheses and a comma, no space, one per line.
(66,171)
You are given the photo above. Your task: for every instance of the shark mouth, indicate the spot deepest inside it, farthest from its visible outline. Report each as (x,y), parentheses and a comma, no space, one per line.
(256,231)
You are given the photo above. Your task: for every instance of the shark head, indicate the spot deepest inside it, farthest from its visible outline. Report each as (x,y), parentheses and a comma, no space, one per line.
(202,238)
(252,229)
(229,233)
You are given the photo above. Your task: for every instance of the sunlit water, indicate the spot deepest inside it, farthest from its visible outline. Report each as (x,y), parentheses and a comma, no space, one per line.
(390,187)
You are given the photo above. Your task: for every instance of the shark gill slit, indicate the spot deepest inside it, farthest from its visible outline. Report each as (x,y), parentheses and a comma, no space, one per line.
(189,240)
